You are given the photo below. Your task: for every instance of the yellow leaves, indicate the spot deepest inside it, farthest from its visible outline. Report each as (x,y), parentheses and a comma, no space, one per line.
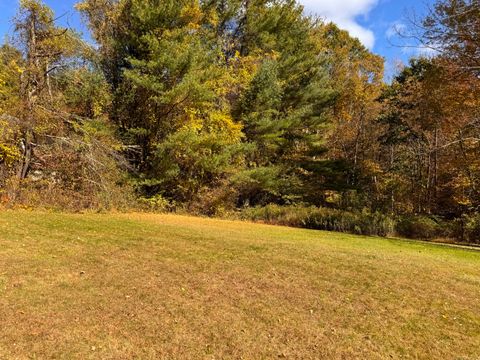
(16,68)
(461,181)
(82,6)
(240,72)
(275,55)
(193,120)
(30,4)
(192,15)
(214,122)
(42,12)
(332,197)
(97,109)
(9,72)
(343,113)
(9,153)
(356,73)
(244,69)
(223,123)
(9,84)
(461,184)
(211,17)
(371,167)
(463,201)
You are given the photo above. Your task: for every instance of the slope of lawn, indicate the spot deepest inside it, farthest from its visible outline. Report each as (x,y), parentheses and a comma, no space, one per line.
(103,286)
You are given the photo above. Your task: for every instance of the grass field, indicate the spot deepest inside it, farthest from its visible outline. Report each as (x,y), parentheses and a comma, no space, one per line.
(172,287)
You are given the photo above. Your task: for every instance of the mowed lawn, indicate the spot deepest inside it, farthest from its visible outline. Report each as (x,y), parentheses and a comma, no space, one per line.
(138,286)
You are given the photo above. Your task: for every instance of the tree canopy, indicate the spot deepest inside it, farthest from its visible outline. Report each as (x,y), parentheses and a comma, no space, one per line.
(215,106)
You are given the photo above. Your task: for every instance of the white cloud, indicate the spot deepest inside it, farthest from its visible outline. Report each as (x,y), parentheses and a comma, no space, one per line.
(399,36)
(397,29)
(344,14)
(418,50)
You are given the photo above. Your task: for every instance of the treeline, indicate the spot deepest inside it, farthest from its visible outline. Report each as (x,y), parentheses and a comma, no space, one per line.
(243,107)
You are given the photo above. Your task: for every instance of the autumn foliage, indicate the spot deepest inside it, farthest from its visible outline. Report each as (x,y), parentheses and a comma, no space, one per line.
(228,106)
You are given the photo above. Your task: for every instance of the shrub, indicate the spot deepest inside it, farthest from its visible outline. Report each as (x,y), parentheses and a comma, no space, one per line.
(419,227)
(472,229)
(216,201)
(155,203)
(322,219)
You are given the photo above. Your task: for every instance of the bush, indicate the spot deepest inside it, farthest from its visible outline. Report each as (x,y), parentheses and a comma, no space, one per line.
(419,227)
(366,223)
(322,219)
(155,203)
(216,201)
(472,229)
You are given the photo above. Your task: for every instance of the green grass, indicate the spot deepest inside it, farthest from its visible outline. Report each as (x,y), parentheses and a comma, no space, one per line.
(164,286)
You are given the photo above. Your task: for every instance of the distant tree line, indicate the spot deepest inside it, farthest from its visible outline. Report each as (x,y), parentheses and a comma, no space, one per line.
(243,107)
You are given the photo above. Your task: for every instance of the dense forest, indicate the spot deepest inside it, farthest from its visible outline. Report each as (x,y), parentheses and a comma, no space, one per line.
(244,108)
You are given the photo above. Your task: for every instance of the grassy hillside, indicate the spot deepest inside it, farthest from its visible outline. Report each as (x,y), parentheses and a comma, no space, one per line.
(164,286)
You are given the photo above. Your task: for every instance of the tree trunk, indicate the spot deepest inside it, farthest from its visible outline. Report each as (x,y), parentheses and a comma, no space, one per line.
(27,155)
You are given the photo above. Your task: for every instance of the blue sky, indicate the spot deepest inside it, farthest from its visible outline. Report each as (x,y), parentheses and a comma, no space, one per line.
(369,20)
(374,23)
